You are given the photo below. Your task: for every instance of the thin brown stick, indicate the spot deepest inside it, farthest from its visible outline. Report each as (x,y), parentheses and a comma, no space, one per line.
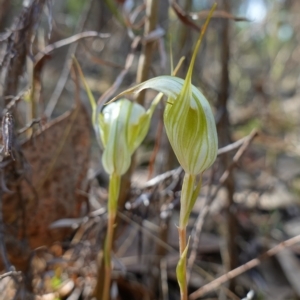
(229,227)
(235,159)
(205,210)
(68,63)
(19,41)
(3,251)
(183,15)
(210,277)
(242,269)
(146,56)
(67,41)
(147,232)
(102,62)
(160,252)
(217,14)
(119,79)
(164,279)
(33,122)
(142,75)
(161,177)
(158,137)
(14,100)
(10,273)
(233,146)
(166,246)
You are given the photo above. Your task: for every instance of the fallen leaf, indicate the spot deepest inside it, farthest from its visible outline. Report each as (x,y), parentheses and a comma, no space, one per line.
(49,189)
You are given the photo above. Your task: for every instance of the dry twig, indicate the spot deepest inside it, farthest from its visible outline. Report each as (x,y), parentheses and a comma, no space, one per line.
(146,56)
(10,273)
(8,266)
(120,77)
(68,63)
(205,210)
(67,41)
(19,41)
(244,268)
(221,14)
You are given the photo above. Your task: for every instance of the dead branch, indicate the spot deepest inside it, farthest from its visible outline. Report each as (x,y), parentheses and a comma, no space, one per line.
(68,63)
(33,122)
(10,273)
(184,17)
(18,45)
(120,77)
(220,14)
(3,252)
(244,268)
(146,56)
(67,41)
(245,141)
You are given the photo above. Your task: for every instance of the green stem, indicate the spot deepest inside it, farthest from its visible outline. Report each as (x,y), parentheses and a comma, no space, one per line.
(182,246)
(114,189)
(186,200)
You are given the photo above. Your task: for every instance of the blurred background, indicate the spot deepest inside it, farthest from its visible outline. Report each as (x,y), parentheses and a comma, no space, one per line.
(54,190)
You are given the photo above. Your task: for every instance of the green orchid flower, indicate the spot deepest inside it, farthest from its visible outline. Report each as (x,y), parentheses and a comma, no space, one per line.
(189,122)
(123,126)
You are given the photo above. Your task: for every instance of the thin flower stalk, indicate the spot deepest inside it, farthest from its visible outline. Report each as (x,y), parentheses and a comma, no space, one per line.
(112,205)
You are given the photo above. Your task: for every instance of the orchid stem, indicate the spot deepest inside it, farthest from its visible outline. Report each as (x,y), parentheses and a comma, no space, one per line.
(186,203)
(114,189)
(182,245)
